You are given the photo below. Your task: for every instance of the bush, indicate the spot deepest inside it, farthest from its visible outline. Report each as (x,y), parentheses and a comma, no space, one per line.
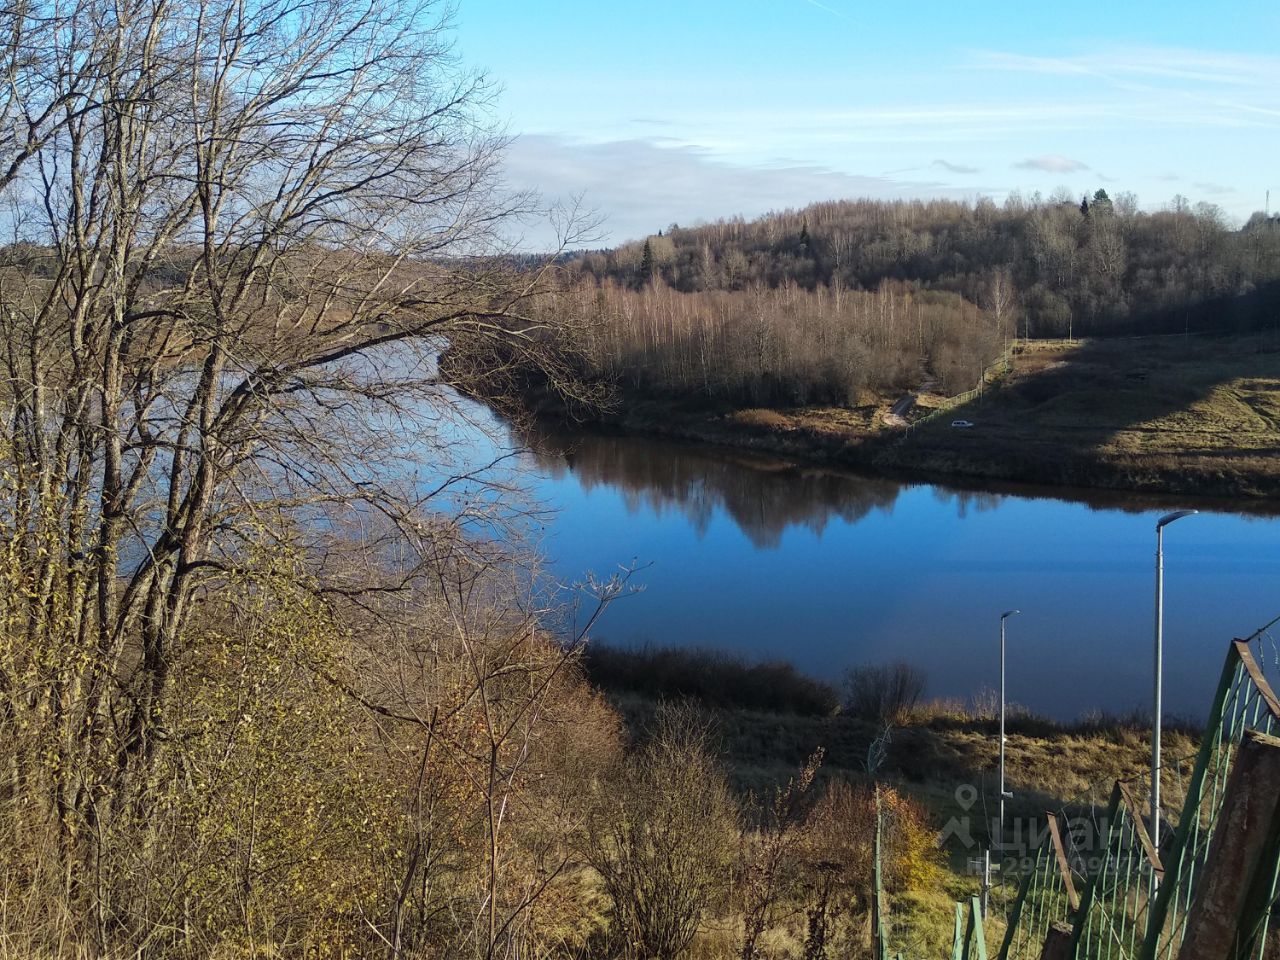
(662,833)
(885,693)
(716,679)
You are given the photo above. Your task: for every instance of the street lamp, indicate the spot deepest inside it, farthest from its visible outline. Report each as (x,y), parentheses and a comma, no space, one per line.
(986,857)
(1159,670)
(1003,793)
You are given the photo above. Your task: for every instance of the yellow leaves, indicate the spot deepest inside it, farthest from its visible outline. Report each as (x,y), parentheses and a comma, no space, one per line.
(281,810)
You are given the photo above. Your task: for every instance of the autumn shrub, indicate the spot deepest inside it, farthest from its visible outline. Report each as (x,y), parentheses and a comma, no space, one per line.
(663,835)
(325,791)
(840,836)
(886,693)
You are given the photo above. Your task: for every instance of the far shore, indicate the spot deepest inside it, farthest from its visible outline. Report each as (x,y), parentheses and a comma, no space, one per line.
(1174,416)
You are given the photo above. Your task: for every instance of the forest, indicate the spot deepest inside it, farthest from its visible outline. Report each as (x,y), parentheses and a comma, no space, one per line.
(812,306)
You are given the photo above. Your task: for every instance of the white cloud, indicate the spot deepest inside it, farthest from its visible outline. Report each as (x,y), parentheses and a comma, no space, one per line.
(955,167)
(640,186)
(1052,163)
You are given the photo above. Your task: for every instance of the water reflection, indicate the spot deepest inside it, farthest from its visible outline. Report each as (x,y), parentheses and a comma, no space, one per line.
(763,496)
(827,569)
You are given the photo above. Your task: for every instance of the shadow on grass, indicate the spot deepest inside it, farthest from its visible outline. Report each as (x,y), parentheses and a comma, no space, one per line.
(1196,415)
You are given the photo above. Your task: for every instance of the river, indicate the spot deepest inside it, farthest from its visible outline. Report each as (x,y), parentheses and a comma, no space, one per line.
(774,560)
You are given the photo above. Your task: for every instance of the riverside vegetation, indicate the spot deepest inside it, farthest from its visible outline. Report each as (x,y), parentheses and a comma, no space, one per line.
(767,717)
(802,331)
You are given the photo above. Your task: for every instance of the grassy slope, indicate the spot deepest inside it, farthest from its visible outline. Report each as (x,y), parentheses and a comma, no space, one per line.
(1188,414)
(1047,766)
(1171,414)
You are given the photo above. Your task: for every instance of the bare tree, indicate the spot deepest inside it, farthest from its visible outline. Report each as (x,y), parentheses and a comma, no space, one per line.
(1001,301)
(886,693)
(241,234)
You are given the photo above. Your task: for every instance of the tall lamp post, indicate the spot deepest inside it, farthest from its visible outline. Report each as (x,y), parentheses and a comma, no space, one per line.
(1003,793)
(999,839)
(1159,670)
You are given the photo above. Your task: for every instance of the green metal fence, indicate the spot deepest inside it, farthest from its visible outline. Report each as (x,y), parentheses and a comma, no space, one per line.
(1113,914)
(1046,895)
(1117,917)
(1244,700)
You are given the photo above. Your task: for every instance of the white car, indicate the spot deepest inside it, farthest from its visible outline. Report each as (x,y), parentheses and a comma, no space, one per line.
(962,423)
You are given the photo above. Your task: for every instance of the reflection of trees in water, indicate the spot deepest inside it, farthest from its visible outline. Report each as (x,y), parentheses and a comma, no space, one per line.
(763,497)
(967,501)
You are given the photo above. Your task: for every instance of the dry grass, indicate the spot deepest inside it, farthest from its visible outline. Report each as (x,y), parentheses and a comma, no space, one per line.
(1195,414)
(943,746)
(760,419)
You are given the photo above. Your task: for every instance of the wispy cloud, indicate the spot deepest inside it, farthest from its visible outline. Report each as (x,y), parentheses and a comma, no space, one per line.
(956,167)
(642,186)
(1218,189)
(1052,163)
(1212,88)
(1153,63)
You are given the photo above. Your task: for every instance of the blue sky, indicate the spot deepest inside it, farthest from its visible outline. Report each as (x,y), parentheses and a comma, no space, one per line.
(661,112)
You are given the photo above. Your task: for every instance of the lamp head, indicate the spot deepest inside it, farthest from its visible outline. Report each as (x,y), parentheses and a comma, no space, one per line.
(1009,613)
(1168,518)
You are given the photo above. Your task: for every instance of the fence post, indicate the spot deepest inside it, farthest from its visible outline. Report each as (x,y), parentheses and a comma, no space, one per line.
(881,944)
(1057,942)
(975,936)
(1060,854)
(1238,882)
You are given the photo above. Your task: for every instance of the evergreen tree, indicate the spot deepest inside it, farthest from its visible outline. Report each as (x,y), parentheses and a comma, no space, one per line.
(646,263)
(1084,205)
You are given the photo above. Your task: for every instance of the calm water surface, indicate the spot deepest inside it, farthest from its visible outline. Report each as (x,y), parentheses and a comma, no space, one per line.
(826,569)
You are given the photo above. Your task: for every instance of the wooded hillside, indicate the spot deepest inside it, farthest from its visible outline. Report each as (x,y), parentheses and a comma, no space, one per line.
(1062,266)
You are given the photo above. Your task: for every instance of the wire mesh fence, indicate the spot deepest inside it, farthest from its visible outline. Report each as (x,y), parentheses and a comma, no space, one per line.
(1136,898)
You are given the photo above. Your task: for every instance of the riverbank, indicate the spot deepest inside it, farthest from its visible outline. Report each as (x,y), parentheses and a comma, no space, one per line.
(770,718)
(1173,415)
(942,755)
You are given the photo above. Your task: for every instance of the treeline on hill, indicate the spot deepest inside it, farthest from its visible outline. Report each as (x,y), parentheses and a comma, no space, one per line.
(815,305)
(1065,267)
